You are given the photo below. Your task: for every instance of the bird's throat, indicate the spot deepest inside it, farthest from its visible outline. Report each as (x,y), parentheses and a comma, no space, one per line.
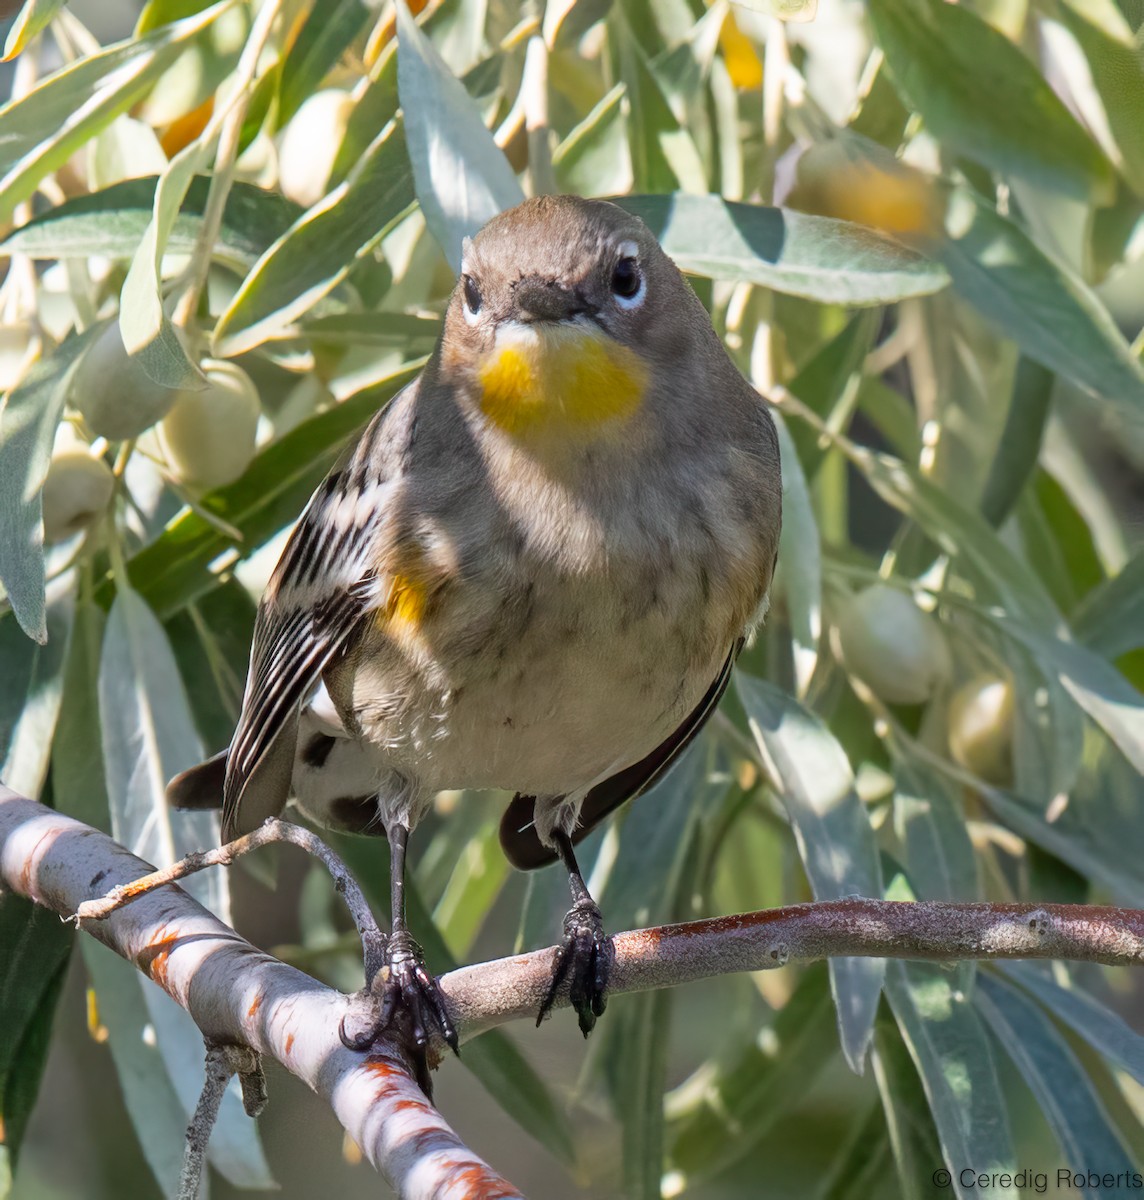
(560,379)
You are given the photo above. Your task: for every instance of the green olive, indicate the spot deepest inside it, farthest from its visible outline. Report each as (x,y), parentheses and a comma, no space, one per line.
(208,437)
(117,398)
(898,650)
(981,728)
(77,491)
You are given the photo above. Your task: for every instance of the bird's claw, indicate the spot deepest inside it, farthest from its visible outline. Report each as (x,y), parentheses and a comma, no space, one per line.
(585,960)
(402,994)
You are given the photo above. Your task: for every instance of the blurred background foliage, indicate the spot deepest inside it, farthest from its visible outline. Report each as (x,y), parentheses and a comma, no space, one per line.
(230,233)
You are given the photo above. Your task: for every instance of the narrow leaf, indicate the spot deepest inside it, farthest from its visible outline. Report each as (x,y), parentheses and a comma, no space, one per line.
(112,223)
(35,16)
(149,736)
(954,1057)
(818,258)
(34,950)
(1105,1031)
(812,773)
(1053,317)
(40,131)
(981,96)
(462,177)
(316,253)
(29,418)
(1058,1081)
(798,581)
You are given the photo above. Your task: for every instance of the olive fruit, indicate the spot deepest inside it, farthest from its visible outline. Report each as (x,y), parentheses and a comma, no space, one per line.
(981,728)
(208,437)
(77,491)
(899,651)
(116,397)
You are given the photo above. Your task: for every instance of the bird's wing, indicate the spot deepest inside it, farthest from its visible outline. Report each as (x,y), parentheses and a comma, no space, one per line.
(519,840)
(329,578)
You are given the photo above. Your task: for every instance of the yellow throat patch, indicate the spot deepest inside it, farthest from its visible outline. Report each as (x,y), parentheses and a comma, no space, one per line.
(560,379)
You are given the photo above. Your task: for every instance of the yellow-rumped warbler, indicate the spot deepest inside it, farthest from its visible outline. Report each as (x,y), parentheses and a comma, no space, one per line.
(533,572)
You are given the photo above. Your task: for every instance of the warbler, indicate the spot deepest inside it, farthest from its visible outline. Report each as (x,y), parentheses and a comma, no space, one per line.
(532,573)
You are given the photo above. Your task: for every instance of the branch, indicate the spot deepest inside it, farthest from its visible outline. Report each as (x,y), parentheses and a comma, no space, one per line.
(238,994)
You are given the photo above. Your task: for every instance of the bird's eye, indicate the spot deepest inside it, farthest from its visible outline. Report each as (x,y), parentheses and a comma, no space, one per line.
(627,281)
(472,295)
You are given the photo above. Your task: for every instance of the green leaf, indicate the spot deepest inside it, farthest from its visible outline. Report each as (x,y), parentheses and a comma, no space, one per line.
(158,1117)
(982,97)
(1113,56)
(211,639)
(148,737)
(744,1098)
(29,418)
(655,836)
(594,158)
(78,787)
(818,258)
(1110,620)
(954,1057)
(663,153)
(913,1136)
(34,17)
(1054,318)
(326,34)
(1020,446)
(635,1062)
(414,335)
(176,567)
(812,774)
(798,581)
(860,1164)
(147,333)
(317,252)
(1108,698)
(1098,838)
(931,826)
(959,531)
(829,382)
(111,223)
(40,131)
(462,177)
(475,882)
(31,696)
(1058,1081)
(34,950)
(1100,1027)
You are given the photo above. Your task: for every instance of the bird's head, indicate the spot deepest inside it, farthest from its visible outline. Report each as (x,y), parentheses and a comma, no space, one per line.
(562,312)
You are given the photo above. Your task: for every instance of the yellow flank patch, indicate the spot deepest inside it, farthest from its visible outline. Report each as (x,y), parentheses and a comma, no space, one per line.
(560,379)
(406,605)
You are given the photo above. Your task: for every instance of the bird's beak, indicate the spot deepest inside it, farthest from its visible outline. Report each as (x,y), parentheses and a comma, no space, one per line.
(538,299)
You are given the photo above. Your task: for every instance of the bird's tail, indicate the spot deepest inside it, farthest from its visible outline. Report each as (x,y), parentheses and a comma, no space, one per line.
(199,787)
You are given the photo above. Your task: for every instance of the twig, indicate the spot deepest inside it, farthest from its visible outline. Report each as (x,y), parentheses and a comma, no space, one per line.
(373,941)
(238,994)
(223,1061)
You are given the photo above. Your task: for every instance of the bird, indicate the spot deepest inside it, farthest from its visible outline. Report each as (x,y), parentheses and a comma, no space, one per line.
(532,573)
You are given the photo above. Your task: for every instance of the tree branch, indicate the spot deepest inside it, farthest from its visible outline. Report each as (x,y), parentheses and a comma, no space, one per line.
(236,993)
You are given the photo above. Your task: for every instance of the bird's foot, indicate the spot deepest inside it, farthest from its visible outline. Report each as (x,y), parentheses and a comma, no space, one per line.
(404,995)
(585,960)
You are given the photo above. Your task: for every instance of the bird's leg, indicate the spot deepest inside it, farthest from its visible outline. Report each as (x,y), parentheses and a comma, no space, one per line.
(586,953)
(404,990)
